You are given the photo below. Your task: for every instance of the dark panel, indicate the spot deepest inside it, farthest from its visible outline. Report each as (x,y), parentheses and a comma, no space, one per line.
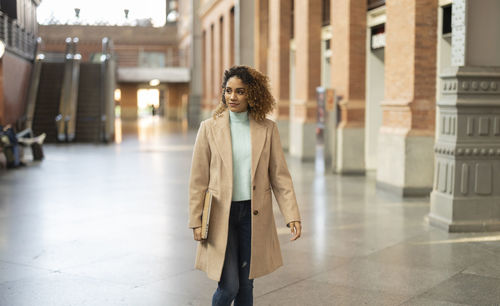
(9,7)
(325,12)
(371,4)
(447,19)
(88,117)
(47,100)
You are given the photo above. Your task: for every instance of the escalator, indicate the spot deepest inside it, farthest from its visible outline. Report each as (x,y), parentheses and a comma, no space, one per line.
(47,100)
(89,110)
(72,101)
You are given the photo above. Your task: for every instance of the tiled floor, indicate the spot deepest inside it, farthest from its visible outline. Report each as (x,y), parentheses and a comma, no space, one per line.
(107,225)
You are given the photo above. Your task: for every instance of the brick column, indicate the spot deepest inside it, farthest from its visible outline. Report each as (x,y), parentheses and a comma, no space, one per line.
(307,31)
(466,191)
(348,80)
(279,64)
(406,138)
(261,33)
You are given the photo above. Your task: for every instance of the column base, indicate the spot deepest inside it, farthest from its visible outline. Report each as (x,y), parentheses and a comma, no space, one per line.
(404,191)
(284,129)
(478,214)
(463,227)
(405,163)
(350,151)
(302,140)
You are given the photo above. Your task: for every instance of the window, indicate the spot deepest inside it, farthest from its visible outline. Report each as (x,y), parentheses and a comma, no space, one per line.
(292,21)
(325,12)
(9,7)
(447,20)
(151,59)
(378,37)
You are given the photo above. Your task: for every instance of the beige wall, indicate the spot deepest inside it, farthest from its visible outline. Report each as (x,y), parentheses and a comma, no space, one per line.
(177,98)
(128,100)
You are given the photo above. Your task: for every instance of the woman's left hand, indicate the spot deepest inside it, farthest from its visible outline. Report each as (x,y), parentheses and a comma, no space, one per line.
(296,229)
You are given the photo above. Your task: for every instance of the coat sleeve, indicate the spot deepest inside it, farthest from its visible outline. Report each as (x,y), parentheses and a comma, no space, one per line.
(281,180)
(199,177)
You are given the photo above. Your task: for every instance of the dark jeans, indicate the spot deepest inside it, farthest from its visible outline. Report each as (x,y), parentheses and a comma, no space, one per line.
(234,283)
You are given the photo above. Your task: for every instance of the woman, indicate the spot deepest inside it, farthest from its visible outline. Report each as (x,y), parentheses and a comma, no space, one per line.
(238,158)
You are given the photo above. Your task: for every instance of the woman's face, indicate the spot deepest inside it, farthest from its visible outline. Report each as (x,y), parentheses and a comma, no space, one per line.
(235,94)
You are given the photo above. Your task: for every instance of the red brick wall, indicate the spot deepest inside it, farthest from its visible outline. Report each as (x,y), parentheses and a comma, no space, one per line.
(349,59)
(410,64)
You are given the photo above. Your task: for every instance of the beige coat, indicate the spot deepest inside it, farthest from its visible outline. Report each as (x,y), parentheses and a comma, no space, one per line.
(212,168)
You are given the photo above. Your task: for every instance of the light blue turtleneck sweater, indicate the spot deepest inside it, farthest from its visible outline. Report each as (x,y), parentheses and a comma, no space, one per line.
(242,155)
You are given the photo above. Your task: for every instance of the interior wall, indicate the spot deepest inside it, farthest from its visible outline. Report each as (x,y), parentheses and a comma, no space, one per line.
(483,39)
(176,102)
(15,78)
(128,100)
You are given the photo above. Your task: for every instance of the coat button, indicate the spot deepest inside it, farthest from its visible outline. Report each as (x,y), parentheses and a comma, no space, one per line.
(253,187)
(255,212)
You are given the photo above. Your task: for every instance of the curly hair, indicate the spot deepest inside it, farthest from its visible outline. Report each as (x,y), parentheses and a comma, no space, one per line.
(260,100)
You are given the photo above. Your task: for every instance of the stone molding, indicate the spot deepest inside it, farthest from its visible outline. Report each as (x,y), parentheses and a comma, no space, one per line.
(478,86)
(485,86)
(468,152)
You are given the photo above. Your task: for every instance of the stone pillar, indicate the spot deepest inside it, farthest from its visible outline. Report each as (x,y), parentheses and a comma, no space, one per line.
(466,191)
(406,138)
(228,50)
(244,19)
(261,34)
(207,72)
(307,31)
(279,64)
(195,86)
(217,69)
(348,80)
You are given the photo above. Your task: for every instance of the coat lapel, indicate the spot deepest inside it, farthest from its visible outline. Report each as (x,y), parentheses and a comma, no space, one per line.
(222,135)
(258,134)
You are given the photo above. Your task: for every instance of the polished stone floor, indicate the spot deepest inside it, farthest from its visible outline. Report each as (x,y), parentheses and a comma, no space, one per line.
(107,225)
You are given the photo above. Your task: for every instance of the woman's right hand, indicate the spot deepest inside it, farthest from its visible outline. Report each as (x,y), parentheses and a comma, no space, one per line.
(197,233)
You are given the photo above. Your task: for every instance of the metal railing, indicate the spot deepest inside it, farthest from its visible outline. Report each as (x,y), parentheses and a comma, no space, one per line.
(108,85)
(16,38)
(66,119)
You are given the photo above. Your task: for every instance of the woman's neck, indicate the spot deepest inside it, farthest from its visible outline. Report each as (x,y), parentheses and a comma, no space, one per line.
(238,117)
